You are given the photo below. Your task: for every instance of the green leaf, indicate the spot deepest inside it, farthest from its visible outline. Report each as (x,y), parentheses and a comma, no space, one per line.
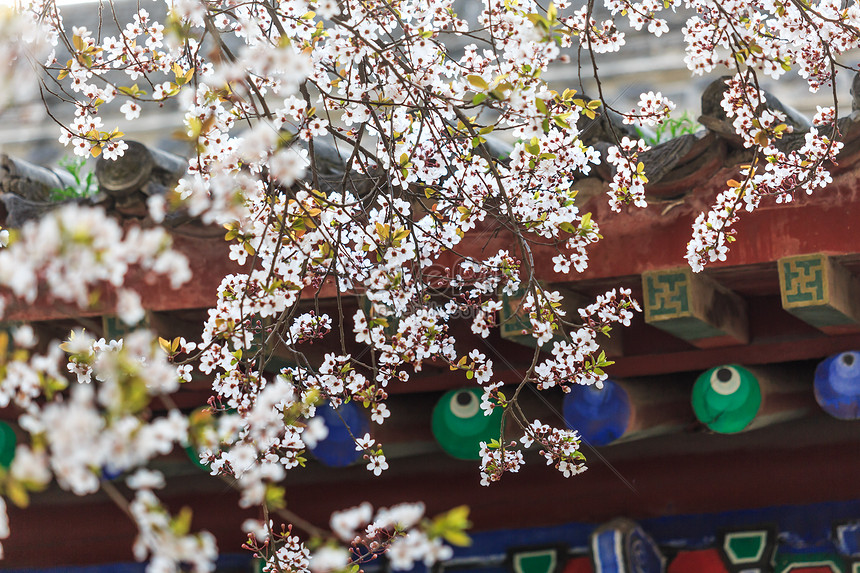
(457,538)
(561,122)
(275,496)
(452,525)
(478,81)
(181,524)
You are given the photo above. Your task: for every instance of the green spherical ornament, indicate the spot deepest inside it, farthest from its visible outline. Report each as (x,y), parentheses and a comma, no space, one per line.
(459,423)
(7,444)
(726,398)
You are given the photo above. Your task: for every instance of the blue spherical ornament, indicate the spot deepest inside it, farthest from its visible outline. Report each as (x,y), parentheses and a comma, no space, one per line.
(338,449)
(600,415)
(837,385)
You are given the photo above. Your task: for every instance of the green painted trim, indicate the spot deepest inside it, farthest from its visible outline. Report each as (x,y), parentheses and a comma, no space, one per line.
(794,566)
(789,562)
(745,537)
(687,328)
(551,565)
(820,315)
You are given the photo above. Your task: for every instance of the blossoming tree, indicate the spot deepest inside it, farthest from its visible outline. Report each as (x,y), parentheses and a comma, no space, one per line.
(351,150)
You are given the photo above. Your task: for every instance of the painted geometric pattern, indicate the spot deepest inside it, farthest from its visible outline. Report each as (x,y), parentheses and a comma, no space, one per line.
(803,280)
(745,546)
(667,294)
(813,567)
(801,539)
(541,561)
(812,563)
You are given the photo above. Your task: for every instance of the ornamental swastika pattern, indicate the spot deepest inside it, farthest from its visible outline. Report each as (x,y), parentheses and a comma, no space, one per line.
(667,294)
(803,280)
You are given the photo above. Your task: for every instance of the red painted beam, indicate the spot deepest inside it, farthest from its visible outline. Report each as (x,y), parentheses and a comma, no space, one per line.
(635,241)
(805,462)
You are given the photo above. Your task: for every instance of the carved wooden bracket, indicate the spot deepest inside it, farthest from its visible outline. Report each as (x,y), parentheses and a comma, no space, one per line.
(819,291)
(694,307)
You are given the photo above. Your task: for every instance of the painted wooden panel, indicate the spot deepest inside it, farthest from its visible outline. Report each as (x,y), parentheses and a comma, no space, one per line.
(821,292)
(695,308)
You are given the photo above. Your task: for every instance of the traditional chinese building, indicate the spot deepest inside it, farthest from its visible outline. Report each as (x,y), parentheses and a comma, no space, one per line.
(714,449)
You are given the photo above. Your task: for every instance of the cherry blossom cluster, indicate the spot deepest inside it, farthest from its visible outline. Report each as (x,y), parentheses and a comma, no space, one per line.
(350,153)
(574,251)
(97,427)
(629,179)
(102,424)
(267,436)
(615,306)
(309,326)
(599,37)
(640,13)
(289,553)
(73,250)
(573,362)
(20,37)
(653,109)
(545,313)
(771,36)
(497,460)
(560,448)
(165,540)
(772,173)
(400,531)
